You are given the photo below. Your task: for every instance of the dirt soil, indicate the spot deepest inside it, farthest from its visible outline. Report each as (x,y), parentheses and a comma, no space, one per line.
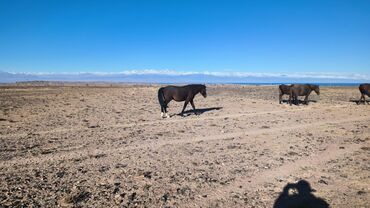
(106,146)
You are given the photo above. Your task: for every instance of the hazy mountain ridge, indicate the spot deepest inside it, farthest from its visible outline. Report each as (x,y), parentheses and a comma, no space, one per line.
(152,77)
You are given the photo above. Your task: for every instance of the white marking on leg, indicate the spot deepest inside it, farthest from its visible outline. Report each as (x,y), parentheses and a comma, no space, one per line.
(161,114)
(167,116)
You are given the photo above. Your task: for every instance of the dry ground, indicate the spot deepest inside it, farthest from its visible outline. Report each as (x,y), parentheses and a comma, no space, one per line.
(108,147)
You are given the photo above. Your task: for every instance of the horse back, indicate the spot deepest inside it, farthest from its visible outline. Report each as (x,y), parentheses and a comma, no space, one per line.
(300,89)
(178,93)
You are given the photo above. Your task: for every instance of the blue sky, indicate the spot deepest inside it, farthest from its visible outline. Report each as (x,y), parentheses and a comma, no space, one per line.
(189,36)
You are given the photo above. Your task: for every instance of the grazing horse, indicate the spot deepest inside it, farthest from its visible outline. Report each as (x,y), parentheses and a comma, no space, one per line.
(184,93)
(365,90)
(302,90)
(283,90)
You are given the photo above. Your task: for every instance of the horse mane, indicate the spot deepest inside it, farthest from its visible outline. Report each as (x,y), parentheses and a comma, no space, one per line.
(199,85)
(313,86)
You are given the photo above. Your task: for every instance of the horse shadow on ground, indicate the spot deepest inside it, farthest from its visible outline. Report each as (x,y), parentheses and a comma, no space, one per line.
(199,111)
(295,195)
(299,101)
(359,101)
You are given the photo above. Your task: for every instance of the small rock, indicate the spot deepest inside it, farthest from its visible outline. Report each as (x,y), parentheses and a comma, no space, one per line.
(165,197)
(148,174)
(361,192)
(323,181)
(91,126)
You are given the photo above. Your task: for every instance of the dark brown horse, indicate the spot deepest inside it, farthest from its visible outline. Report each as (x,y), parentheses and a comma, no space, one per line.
(302,90)
(184,93)
(365,90)
(283,90)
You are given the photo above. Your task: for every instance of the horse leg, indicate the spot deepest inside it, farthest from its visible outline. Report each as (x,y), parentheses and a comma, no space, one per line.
(165,109)
(290,99)
(165,113)
(162,112)
(306,100)
(183,109)
(280,97)
(192,105)
(362,98)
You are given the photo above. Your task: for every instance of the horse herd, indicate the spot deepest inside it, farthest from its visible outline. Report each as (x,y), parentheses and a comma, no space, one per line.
(187,93)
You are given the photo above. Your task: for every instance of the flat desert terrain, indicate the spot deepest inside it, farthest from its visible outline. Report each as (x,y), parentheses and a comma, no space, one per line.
(106,146)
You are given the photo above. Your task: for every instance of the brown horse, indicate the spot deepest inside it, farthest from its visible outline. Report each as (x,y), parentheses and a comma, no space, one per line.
(283,90)
(302,90)
(365,90)
(184,93)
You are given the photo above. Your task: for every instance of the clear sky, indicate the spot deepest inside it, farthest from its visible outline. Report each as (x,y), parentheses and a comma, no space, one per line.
(185,35)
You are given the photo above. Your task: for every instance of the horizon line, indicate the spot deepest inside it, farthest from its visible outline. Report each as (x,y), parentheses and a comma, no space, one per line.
(226,74)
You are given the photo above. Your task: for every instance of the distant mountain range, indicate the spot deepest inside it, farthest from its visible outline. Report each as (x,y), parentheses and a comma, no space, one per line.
(151,76)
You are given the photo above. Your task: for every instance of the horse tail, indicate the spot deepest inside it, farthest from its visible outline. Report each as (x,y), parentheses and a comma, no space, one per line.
(291,95)
(161,98)
(364,89)
(280,90)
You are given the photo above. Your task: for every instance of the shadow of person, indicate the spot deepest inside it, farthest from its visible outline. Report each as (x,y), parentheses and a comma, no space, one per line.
(299,195)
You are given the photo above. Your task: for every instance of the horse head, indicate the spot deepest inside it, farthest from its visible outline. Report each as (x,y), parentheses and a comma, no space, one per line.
(316,88)
(203,91)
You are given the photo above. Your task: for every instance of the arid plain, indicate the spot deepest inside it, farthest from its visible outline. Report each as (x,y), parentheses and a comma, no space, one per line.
(106,146)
